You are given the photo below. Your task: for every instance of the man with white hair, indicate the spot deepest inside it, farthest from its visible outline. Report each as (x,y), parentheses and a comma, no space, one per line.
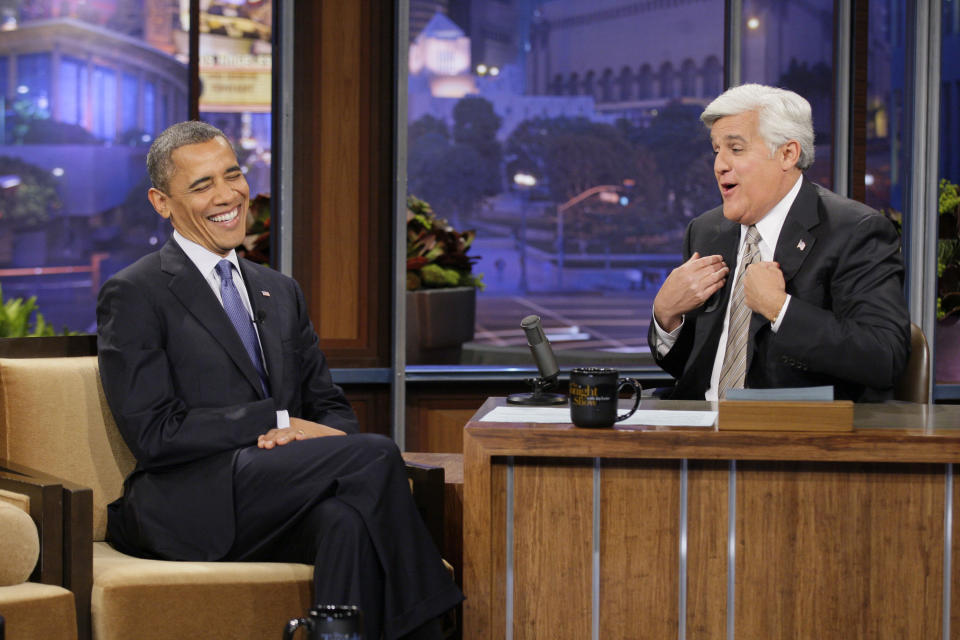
(786,284)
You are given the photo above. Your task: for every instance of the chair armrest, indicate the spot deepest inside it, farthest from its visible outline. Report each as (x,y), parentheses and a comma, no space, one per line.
(46,510)
(63,511)
(427,484)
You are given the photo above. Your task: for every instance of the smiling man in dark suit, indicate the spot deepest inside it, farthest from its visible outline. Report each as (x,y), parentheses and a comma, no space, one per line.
(786,284)
(245,448)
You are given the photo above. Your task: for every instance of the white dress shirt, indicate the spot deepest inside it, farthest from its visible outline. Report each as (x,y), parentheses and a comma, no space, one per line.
(206,261)
(769,229)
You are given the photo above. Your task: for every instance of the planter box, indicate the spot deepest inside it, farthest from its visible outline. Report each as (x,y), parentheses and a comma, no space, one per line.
(49,346)
(439,321)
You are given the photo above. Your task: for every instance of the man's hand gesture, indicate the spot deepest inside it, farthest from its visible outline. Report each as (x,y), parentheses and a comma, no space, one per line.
(299,429)
(764,289)
(687,287)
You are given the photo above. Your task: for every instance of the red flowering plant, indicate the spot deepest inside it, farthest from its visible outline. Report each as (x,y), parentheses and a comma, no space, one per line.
(436,253)
(256,244)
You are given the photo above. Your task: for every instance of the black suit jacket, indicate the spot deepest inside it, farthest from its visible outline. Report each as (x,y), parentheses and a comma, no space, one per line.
(847,323)
(186,396)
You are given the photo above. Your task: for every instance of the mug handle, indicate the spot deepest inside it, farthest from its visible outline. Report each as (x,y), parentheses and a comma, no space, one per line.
(294,624)
(637,390)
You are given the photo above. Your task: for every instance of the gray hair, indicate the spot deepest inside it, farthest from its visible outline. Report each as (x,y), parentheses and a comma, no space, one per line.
(160,156)
(781,116)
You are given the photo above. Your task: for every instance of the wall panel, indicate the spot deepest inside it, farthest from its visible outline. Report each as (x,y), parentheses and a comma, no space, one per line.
(343,175)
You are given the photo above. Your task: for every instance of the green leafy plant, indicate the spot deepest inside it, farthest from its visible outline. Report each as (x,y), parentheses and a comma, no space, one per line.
(15,319)
(948,251)
(436,253)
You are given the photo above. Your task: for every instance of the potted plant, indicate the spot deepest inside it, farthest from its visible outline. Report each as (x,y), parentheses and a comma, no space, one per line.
(441,287)
(948,285)
(15,319)
(256,244)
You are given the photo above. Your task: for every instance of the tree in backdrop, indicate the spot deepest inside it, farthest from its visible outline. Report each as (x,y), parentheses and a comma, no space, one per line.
(816,85)
(32,200)
(450,176)
(569,155)
(680,148)
(475,125)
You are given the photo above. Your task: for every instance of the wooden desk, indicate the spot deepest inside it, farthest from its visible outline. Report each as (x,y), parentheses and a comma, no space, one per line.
(696,533)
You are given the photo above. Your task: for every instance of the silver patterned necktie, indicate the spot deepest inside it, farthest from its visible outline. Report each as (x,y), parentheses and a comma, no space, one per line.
(241,320)
(734,367)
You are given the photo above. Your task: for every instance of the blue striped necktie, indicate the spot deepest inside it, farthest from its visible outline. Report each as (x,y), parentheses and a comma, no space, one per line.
(241,320)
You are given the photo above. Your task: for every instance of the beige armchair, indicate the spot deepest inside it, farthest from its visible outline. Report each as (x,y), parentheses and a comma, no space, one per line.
(29,609)
(54,418)
(58,439)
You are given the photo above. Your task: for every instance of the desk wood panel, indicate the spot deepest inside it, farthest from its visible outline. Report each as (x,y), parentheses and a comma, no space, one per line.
(837,536)
(707,514)
(639,547)
(479,569)
(553,552)
(829,551)
(955,559)
(498,542)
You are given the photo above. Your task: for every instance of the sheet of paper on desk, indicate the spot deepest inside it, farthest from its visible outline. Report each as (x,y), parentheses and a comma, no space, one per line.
(654,418)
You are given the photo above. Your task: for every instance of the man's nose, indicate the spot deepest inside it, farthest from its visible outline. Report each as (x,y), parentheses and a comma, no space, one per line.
(720,164)
(222,191)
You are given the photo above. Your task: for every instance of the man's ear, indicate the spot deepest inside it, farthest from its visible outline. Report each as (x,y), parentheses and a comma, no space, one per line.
(789,154)
(159,201)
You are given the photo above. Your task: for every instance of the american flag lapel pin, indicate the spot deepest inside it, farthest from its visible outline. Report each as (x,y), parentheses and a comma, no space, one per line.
(265,294)
(800,245)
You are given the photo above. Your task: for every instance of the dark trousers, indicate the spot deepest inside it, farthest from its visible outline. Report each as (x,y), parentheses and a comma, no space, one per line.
(343,503)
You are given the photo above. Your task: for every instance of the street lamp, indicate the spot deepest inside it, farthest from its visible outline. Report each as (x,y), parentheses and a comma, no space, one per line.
(524,182)
(607,192)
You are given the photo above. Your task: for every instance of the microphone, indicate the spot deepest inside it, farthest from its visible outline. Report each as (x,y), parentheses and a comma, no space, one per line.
(540,347)
(546,364)
(261,316)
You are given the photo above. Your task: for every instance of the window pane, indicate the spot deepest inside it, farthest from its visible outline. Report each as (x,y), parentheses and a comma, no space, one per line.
(72,96)
(791,45)
(104,103)
(33,81)
(567,134)
(947,345)
(235,74)
(130,101)
(78,119)
(149,108)
(4,62)
(887,137)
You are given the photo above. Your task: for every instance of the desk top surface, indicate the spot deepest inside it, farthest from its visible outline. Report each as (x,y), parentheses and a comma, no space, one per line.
(893,432)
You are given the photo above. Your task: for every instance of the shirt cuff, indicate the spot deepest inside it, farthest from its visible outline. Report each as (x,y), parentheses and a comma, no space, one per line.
(283,419)
(664,340)
(775,325)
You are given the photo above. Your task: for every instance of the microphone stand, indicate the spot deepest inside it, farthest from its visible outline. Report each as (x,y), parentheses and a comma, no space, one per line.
(539,395)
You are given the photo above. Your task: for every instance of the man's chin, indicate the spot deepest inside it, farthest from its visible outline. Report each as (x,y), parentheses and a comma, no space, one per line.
(733,214)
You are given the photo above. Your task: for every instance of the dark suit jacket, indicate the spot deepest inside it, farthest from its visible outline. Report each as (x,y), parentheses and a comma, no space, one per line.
(186,396)
(847,323)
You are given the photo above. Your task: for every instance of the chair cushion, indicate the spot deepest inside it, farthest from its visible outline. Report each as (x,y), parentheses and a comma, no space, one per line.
(19,545)
(34,611)
(146,599)
(52,408)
